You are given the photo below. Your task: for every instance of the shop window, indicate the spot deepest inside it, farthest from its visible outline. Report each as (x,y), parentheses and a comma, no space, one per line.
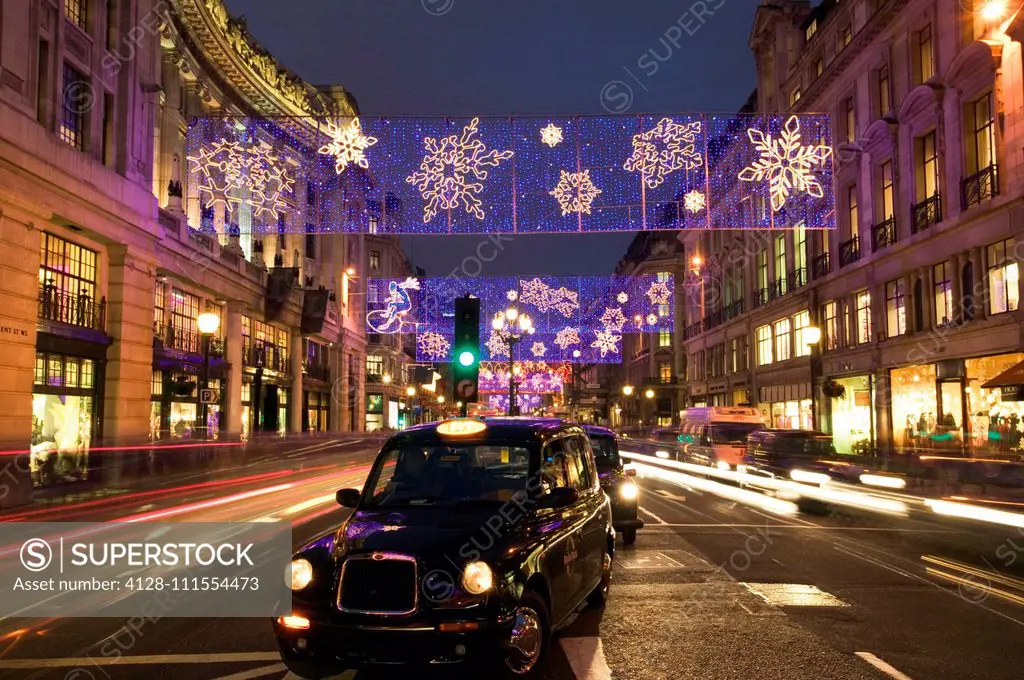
(830,325)
(853,416)
(783,349)
(943,292)
(895,308)
(764,345)
(1003,277)
(863,299)
(914,406)
(63,417)
(925,65)
(801,321)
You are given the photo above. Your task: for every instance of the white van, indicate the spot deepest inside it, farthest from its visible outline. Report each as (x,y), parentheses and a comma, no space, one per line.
(717,435)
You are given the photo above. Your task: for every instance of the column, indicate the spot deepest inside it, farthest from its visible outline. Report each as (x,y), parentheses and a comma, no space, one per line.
(957,261)
(909,306)
(927,312)
(233,385)
(343,395)
(981,292)
(337,392)
(883,413)
(952,161)
(295,398)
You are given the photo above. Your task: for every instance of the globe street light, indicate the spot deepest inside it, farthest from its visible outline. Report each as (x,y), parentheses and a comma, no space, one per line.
(811,338)
(511,327)
(649,394)
(208,324)
(627,390)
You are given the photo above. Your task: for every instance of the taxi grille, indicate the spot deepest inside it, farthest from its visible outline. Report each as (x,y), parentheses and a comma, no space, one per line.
(378,585)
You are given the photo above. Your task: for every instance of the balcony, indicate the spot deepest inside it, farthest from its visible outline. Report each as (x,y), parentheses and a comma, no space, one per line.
(265,355)
(979,187)
(715,318)
(761,298)
(778,289)
(184,340)
(693,330)
(201,240)
(317,371)
(883,234)
(849,251)
(926,213)
(822,265)
(797,278)
(76,310)
(734,310)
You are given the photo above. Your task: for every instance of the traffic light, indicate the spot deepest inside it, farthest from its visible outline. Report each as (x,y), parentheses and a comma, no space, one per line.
(466,349)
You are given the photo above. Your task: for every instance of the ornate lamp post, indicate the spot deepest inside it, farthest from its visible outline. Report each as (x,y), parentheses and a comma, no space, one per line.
(512,327)
(208,324)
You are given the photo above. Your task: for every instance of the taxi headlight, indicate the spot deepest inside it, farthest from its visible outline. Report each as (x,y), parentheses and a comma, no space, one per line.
(300,573)
(477,578)
(628,491)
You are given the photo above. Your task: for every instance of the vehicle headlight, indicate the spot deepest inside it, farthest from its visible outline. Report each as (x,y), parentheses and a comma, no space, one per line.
(300,573)
(808,477)
(628,491)
(477,578)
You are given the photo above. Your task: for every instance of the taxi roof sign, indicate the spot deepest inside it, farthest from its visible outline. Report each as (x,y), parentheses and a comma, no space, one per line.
(461,427)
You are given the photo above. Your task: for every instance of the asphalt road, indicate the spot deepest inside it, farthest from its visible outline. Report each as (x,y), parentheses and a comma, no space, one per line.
(713,589)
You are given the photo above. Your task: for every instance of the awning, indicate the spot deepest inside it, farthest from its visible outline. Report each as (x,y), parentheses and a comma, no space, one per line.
(1011,377)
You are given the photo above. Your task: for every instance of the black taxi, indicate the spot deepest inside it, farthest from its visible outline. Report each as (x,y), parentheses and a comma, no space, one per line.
(471,542)
(616,482)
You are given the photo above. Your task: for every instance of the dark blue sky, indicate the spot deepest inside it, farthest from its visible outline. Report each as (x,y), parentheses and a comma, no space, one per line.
(490,57)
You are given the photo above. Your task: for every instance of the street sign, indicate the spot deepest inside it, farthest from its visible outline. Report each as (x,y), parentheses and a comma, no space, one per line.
(465,390)
(207,396)
(593,386)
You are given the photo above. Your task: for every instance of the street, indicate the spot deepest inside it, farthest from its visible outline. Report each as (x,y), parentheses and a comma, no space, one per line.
(713,588)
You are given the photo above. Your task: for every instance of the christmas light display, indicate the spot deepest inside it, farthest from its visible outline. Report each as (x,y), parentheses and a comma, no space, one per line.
(348,145)
(433,346)
(569,336)
(545,297)
(397,303)
(606,342)
(613,319)
(526,402)
(538,349)
(623,298)
(535,377)
(496,175)
(659,293)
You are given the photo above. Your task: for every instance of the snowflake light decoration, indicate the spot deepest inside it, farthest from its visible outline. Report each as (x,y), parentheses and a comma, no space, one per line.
(567,337)
(606,342)
(443,177)
(613,319)
(694,201)
(348,145)
(227,168)
(512,295)
(433,345)
(551,135)
(659,293)
(538,349)
(785,163)
(664,149)
(652,319)
(575,192)
(623,298)
(497,345)
(545,298)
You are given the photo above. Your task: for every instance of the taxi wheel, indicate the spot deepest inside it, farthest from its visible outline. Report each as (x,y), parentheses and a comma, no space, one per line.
(629,537)
(600,594)
(528,642)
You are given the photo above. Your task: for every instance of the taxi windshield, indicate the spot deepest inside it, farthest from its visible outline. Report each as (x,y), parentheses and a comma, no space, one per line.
(452,474)
(606,453)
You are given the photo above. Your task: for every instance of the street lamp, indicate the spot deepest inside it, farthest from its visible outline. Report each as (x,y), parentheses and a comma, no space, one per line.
(993,10)
(627,392)
(440,399)
(511,327)
(208,324)
(649,394)
(811,339)
(386,379)
(411,391)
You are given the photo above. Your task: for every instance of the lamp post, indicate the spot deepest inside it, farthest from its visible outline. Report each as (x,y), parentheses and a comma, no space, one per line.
(627,392)
(410,392)
(574,409)
(512,327)
(811,338)
(649,394)
(208,324)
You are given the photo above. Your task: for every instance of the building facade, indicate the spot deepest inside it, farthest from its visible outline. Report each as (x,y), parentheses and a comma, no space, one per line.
(110,254)
(916,294)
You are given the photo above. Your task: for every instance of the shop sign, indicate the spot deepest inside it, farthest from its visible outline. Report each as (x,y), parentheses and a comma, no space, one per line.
(717,387)
(208,396)
(1012,392)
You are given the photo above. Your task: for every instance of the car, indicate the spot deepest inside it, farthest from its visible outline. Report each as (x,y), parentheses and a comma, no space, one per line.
(470,544)
(616,482)
(802,456)
(717,435)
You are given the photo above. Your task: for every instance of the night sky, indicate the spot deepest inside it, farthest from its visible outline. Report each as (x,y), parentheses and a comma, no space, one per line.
(489,57)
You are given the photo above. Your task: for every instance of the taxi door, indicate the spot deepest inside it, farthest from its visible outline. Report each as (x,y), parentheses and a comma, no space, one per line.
(561,530)
(593,533)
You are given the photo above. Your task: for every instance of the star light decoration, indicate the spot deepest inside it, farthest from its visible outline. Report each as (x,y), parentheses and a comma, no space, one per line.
(659,293)
(623,298)
(497,345)
(443,177)
(606,342)
(785,163)
(567,337)
(694,201)
(348,144)
(652,319)
(613,319)
(226,167)
(539,349)
(664,149)
(551,135)
(512,295)
(433,345)
(575,192)
(545,298)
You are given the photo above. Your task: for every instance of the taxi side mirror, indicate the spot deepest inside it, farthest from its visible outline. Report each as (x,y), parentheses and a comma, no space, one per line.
(558,498)
(348,498)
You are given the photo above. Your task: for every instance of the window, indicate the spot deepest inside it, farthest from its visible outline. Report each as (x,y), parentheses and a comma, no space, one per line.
(863,299)
(819,67)
(665,371)
(812,28)
(800,254)
(65,268)
(780,263)
(156,383)
(982,148)
(72,119)
(108,129)
(925,63)
(943,292)
(374,225)
(575,465)
(852,211)
(182,311)
(884,92)
(159,307)
(1002,278)
(847,35)
(737,355)
(111,25)
(664,338)
(801,321)
(764,345)
(552,471)
(374,365)
(926,166)
(794,96)
(783,351)
(75,11)
(895,308)
(374,260)
(886,193)
(762,273)
(851,120)
(830,323)
(311,241)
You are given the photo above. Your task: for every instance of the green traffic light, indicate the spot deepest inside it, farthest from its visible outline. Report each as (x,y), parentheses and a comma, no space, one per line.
(467,358)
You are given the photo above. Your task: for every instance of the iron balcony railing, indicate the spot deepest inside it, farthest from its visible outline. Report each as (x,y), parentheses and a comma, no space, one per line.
(761,298)
(76,310)
(822,266)
(185,340)
(849,251)
(778,289)
(265,355)
(715,318)
(926,213)
(318,371)
(693,330)
(797,278)
(979,187)
(733,310)
(883,234)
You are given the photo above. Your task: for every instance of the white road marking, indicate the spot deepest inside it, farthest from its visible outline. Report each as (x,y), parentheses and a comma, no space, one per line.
(671,496)
(793,595)
(255,672)
(883,666)
(73,662)
(586,658)
(652,515)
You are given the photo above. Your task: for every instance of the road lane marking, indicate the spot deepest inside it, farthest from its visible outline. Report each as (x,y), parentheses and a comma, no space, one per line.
(671,496)
(586,658)
(255,672)
(652,515)
(73,662)
(883,666)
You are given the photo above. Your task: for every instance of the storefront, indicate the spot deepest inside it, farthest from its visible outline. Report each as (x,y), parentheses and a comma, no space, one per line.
(66,404)
(945,407)
(374,412)
(174,404)
(788,407)
(317,411)
(851,404)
